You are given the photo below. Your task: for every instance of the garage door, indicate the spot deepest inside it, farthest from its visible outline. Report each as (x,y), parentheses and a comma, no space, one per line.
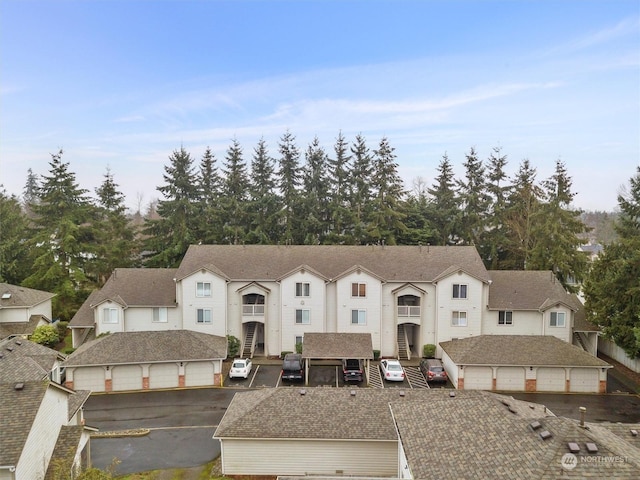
(89,378)
(198,374)
(163,375)
(510,378)
(550,380)
(478,378)
(584,380)
(126,377)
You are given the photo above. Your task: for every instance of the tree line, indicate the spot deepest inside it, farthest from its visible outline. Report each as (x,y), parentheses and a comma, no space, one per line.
(60,239)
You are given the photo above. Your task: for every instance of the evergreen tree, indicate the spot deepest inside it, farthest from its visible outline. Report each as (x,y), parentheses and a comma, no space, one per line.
(419,229)
(209,208)
(315,206)
(263,199)
(474,201)
(234,196)
(360,191)
(62,239)
(557,230)
(170,235)
(444,206)
(116,246)
(30,192)
(492,249)
(14,264)
(289,187)
(523,205)
(612,288)
(338,173)
(385,223)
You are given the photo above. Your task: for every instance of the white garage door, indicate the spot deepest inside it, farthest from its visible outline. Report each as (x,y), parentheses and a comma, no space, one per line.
(510,378)
(550,379)
(89,378)
(198,374)
(478,378)
(163,375)
(584,380)
(126,377)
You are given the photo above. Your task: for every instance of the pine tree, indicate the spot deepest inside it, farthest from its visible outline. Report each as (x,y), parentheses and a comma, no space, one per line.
(209,207)
(385,222)
(360,191)
(338,173)
(171,234)
(263,198)
(234,196)
(612,288)
(557,230)
(289,187)
(474,201)
(419,229)
(492,249)
(116,246)
(444,206)
(62,239)
(14,264)
(30,192)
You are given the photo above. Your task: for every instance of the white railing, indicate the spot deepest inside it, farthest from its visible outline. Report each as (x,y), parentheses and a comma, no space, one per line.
(253,310)
(408,311)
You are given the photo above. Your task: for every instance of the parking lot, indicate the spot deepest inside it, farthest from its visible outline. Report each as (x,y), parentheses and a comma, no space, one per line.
(323,375)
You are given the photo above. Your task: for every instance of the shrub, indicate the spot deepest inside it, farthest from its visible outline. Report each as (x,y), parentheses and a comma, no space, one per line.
(46,335)
(428,350)
(298,348)
(233,346)
(62,327)
(68,350)
(284,352)
(376,354)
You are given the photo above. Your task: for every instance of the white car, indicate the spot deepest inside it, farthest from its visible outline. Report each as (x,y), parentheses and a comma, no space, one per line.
(392,370)
(240,368)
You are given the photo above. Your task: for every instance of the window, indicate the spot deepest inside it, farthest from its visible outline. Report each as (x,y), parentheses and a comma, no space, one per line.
(459,319)
(459,290)
(160,314)
(302,289)
(203,315)
(358,317)
(505,317)
(358,289)
(203,289)
(298,340)
(303,316)
(557,319)
(110,315)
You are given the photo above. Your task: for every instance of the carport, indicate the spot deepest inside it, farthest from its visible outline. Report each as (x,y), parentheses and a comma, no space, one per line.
(337,346)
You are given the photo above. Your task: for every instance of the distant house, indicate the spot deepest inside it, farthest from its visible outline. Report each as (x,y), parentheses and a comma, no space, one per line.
(22,310)
(421,434)
(41,422)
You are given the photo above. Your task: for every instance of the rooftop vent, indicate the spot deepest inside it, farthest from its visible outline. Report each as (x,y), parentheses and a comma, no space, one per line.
(634,433)
(401,393)
(591,447)
(535,425)
(303,392)
(10,348)
(18,386)
(573,447)
(513,410)
(352,393)
(545,435)
(18,342)
(452,394)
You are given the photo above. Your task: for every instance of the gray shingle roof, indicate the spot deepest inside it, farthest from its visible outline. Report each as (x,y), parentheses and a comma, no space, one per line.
(21,328)
(148,347)
(337,345)
(270,262)
(17,296)
(23,360)
(526,350)
(64,451)
(527,290)
(85,317)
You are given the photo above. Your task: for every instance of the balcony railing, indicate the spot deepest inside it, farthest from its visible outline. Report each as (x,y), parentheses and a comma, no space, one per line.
(253,310)
(408,311)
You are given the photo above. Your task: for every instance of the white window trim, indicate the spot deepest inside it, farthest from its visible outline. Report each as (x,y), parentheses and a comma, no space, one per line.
(206,292)
(455,316)
(204,320)
(296,342)
(302,289)
(506,323)
(162,315)
(460,288)
(110,318)
(359,310)
(557,315)
(359,296)
(302,322)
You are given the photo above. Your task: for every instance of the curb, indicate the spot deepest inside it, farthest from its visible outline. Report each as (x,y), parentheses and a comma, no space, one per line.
(139,432)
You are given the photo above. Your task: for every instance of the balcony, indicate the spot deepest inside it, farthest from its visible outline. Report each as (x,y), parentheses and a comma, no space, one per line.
(253,313)
(408,311)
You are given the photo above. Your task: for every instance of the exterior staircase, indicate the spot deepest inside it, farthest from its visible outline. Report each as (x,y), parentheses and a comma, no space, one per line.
(578,338)
(249,343)
(403,350)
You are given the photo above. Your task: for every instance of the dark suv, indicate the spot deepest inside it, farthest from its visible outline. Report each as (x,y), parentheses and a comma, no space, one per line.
(352,369)
(433,370)
(292,367)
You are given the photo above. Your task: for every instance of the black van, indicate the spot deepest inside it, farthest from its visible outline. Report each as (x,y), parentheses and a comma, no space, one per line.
(292,367)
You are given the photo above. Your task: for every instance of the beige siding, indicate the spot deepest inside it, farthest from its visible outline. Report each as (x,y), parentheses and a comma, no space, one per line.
(140,319)
(217,303)
(372,304)
(301,457)
(524,323)
(42,438)
(563,333)
(5,474)
(102,327)
(451,368)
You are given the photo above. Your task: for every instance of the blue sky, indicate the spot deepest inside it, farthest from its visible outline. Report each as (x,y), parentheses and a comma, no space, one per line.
(121,84)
